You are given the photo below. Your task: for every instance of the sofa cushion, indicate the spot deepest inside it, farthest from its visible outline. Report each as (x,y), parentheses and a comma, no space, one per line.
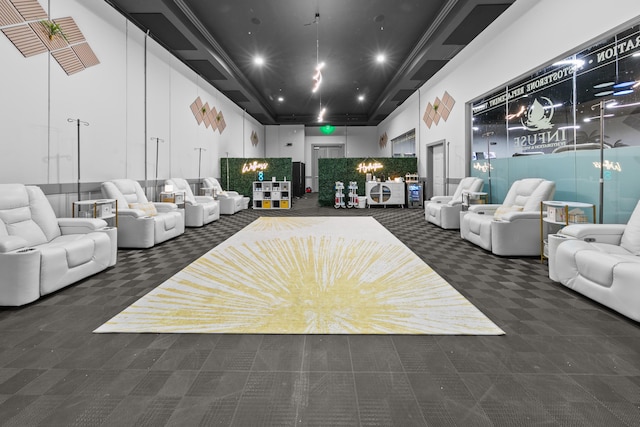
(631,236)
(499,213)
(148,208)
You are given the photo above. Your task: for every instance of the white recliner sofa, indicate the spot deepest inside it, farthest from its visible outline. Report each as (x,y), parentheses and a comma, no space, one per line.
(199,210)
(40,253)
(142,224)
(513,228)
(444,211)
(600,261)
(230,201)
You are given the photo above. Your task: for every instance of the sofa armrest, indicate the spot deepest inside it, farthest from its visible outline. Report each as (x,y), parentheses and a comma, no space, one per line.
(441,199)
(204,199)
(232,193)
(12,243)
(601,233)
(516,215)
(486,209)
(80,225)
(165,206)
(133,213)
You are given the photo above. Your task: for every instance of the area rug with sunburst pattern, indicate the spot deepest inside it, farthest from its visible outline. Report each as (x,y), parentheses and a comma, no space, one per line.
(311,275)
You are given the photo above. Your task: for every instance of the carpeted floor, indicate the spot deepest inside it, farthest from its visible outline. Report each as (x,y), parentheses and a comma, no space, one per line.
(564,361)
(311,275)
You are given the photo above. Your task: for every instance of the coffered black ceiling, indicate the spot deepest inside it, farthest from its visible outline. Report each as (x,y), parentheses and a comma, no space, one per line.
(219,40)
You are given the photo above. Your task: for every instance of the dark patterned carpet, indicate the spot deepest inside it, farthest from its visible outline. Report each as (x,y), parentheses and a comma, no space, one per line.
(564,360)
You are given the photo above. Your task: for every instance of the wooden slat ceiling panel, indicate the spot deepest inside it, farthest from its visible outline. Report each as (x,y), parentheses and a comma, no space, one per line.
(30,9)
(25,40)
(8,14)
(52,43)
(70,29)
(68,60)
(85,54)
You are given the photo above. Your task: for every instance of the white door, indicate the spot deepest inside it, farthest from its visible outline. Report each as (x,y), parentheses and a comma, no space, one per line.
(438,170)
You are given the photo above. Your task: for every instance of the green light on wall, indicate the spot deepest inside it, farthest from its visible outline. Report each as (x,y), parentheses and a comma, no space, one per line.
(327,129)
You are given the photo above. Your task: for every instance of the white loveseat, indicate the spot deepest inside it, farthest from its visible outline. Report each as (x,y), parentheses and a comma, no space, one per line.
(230,201)
(513,228)
(142,224)
(199,210)
(40,253)
(600,261)
(444,211)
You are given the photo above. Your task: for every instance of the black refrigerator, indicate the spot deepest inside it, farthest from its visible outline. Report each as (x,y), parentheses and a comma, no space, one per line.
(298,180)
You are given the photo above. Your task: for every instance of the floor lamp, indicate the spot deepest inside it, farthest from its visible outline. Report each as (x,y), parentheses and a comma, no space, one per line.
(79,122)
(155,185)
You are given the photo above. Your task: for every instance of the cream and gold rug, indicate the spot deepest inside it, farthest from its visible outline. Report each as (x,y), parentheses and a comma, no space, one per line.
(309,275)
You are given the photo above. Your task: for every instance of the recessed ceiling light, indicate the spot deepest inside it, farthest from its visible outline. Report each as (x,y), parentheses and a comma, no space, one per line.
(280,99)
(258,60)
(605,84)
(360,98)
(380,58)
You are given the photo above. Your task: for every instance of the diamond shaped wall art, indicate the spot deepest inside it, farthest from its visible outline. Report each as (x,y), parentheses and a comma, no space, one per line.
(26,24)
(210,116)
(440,109)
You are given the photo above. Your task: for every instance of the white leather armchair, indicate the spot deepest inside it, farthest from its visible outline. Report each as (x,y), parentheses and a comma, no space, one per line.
(40,253)
(230,201)
(444,211)
(513,228)
(602,262)
(142,224)
(199,210)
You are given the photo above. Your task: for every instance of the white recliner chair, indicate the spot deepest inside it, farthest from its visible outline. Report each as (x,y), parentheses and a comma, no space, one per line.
(40,253)
(444,211)
(600,261)
(513,228)
(142,224)
(199,210)
(230,201)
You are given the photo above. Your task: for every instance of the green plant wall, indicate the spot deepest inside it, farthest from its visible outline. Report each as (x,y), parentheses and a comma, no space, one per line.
(280,167)
(346,170)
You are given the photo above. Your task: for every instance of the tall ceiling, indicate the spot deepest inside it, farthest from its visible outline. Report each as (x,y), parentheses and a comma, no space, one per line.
(220,39)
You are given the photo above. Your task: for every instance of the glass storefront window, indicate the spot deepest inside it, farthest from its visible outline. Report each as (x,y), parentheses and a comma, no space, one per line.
(551,122)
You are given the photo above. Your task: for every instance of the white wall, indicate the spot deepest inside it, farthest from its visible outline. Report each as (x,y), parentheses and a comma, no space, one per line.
(529,35)
(285,141)
(39,146)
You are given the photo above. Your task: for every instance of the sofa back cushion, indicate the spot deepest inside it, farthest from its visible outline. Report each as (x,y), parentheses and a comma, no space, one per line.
(529,192)
(125,191)
(471,184)
(631,236)
(213,183)
(181,184)
(26,212)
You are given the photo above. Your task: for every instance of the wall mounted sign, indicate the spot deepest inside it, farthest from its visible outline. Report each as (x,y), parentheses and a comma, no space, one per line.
(254,167)
(440,109)
(26,24)
(369,167)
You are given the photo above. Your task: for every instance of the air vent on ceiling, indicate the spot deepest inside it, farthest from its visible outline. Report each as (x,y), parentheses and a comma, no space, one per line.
(236,96)
(402,94)
(477,20)
(206,69)
(428,69)
(163,30)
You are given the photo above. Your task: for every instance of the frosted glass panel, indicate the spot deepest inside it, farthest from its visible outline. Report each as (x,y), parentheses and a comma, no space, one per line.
(577,177)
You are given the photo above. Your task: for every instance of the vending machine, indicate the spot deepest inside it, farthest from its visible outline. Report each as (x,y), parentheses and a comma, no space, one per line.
(415,191)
